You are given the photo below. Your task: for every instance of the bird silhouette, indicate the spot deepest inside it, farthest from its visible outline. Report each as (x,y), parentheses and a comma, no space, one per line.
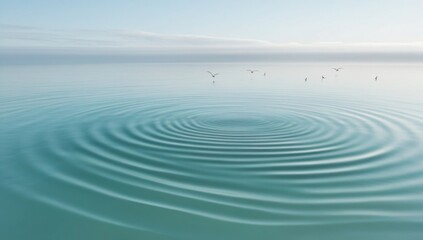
(337,69)
(252,71)
(305,80)
(323,77)
(213,74)
(376,78)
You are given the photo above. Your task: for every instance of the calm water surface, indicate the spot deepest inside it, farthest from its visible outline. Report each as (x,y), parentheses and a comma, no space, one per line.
(157,151)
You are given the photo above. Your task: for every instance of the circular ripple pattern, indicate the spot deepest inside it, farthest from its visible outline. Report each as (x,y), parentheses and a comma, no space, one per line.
(262,161)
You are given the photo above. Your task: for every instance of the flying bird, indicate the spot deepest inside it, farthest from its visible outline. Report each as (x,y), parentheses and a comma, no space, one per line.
(376,78)
(213,74)
(337,69)
(323,77)
(264,74)
(305,80)
(252,71)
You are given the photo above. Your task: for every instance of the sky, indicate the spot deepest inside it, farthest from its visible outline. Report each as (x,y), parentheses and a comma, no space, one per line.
(302,25)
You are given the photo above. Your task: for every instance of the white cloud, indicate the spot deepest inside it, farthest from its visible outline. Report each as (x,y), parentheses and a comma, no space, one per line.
(26,36)
(21,36)
(25,39)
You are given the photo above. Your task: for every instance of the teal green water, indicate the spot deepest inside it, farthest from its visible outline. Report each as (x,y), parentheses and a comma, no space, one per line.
(157,151)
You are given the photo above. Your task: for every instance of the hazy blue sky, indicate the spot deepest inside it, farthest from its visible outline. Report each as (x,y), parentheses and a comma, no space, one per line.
(272,20)
(187,23)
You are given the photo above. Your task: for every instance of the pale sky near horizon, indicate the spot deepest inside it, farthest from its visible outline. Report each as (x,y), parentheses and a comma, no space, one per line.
(269,21)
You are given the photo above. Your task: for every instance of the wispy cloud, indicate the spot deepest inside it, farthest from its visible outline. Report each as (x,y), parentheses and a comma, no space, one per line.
(22,36)
(22,44)
(12,36)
